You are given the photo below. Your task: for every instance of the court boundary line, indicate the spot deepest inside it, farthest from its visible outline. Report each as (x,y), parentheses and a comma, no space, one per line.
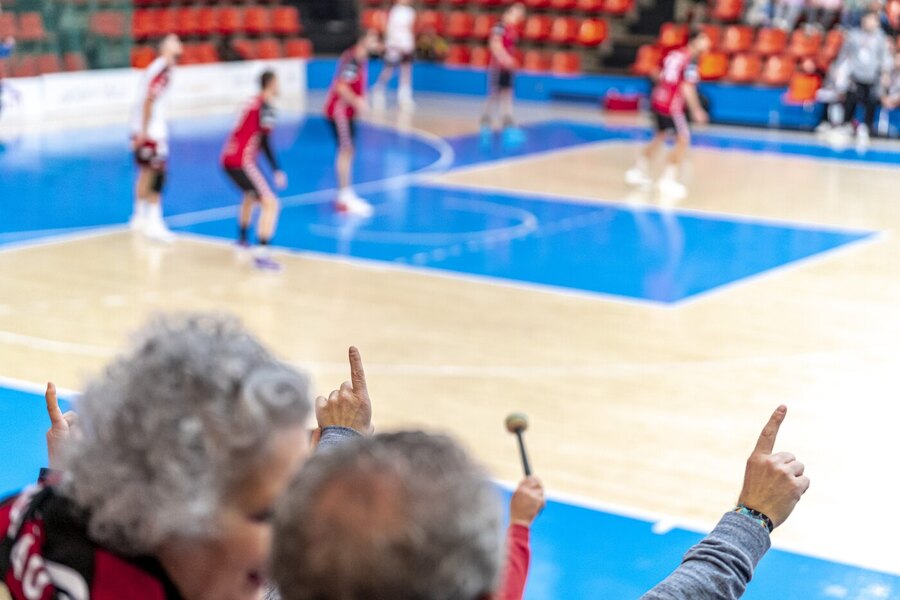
(659,523)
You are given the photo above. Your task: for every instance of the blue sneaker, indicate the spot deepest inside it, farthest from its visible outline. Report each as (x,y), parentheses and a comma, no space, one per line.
(266,263)
(513,137)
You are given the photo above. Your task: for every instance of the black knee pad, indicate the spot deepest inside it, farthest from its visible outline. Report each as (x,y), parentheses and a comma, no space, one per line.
(159,181)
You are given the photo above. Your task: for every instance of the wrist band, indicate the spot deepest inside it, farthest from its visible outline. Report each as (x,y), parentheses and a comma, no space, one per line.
(757,516)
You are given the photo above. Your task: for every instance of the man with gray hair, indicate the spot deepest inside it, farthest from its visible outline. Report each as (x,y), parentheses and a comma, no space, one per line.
(409,516)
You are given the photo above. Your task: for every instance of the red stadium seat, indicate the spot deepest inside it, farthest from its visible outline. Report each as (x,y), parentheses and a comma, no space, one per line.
(736,39)
(207,22)
(230,20)
(298,48)
(778,70)
(770,40)
(245,48)
(647,61)
(207,53)
(563,5)
(49,63)
(433,21)
(590,6)
(618,7)
(74,61)
(142,23)
(537,28)
(141,56)
(564,30)
(460,25)
(537,4)
(189,55)
(537,61)
(374,19)
(745,68)
(592,32)
(803,88)
(7,25)
(188,22)
(713,65)
(833,42)
(31,28)
(429,2)
(268,49)
(714,33)
(110,24)
(565,63)
(256,20)
(673,35)
(727,11)
(24,66)
(167,22)
(286,21)
(805,44)
(481,57)
(484,24)
(460,3)
(458,55)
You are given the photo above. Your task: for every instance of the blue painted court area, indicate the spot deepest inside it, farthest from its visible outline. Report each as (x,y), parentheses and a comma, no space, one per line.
(76,180)
(578,552)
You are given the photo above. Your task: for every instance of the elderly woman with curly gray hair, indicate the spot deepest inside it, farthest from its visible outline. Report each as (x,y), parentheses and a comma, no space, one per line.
(187,441)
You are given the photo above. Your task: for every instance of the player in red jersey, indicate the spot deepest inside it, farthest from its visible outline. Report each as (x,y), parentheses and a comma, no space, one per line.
(501,71)
(150,141)
(239,159)
(675,88)
(346,101)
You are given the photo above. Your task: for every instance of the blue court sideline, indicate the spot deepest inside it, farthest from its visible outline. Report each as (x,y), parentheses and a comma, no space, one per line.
(609,249)
(579,553)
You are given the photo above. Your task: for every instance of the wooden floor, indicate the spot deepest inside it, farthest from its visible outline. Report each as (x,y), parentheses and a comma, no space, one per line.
(652,409)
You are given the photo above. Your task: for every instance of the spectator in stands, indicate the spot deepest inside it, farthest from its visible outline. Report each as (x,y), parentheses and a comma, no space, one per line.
(890,99)
(870,61)
(408,516)
(759,13)
(823,14)
(399,52)
(832,95)
(853,11)
(430,46)
(188,439)
(226,50)
(787,13)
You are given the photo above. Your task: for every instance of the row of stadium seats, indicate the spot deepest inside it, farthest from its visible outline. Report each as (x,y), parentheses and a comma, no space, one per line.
(25,27)
(774,70)
(31,65)
(460,25)
(145,3)
(206,52)
(611,7)
(735,39)
(229,20)
(538,61)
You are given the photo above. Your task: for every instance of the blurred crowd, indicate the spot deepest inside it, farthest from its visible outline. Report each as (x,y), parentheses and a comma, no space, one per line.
(198,466)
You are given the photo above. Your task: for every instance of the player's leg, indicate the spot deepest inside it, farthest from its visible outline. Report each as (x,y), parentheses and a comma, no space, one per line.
(639,174)
(141,191)
(379,94)
(245,216)
(405,91)
(869,101)
(155,226)
(491,103)
(347,201)
(669,183)
(260,192)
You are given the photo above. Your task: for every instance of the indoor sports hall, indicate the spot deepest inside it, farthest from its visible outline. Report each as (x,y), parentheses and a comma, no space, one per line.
(504,268)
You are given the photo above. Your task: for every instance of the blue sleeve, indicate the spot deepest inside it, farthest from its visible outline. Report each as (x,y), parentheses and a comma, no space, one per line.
(332,437)
(5,50)
(719,567)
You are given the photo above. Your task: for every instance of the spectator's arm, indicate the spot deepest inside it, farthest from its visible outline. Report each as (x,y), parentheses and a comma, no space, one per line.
(518,558)
(719,567)
(332,437)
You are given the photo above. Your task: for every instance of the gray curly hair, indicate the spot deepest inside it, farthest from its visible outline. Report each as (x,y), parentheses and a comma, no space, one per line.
(172,425)
(405,516)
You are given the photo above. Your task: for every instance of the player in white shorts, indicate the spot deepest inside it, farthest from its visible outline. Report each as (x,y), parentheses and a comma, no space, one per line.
(400,49)
(150,141)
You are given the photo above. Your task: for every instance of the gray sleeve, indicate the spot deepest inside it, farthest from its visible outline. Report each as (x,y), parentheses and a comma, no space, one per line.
(719,567)
(332,437)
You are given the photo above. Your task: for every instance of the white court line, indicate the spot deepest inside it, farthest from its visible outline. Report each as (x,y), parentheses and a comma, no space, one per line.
(81,234)
(661,523)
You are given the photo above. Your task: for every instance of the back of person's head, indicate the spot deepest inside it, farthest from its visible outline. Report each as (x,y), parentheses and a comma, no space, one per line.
(175,426)
(170,46)
(870,21)
(699,40)
(514,14)
(266,79)
(405,516)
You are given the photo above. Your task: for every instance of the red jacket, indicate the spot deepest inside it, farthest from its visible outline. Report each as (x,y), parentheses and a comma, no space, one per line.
(45,554)
(518,555)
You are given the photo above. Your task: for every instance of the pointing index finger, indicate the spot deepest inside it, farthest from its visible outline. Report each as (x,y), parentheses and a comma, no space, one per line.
(52,404)
(766,442)
(357,373)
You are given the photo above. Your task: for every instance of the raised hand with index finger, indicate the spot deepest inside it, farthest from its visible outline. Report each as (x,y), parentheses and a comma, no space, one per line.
(350,405)
(773,482)
(63,426)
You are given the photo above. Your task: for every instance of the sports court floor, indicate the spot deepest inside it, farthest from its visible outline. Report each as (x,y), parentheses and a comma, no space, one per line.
(647,340)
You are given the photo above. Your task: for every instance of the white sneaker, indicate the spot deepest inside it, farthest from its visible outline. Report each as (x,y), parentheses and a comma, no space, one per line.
(824,127)
(158,232)
(637,176)
(672,189)
(862,136)
(137,223)
(349,202)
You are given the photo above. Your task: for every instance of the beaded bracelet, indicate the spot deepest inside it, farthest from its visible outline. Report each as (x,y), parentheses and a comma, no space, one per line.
(757,516)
